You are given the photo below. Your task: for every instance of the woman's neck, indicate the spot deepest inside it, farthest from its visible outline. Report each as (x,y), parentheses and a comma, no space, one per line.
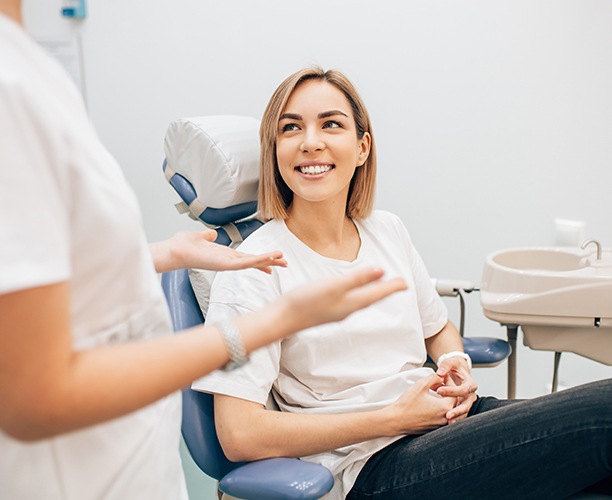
(12,9)
(326,230)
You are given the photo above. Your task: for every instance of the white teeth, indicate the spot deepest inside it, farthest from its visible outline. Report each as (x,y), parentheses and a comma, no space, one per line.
(315,169)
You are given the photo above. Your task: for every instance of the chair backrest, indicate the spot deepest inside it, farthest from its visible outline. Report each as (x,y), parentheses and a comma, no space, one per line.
(212,162)
(198,424)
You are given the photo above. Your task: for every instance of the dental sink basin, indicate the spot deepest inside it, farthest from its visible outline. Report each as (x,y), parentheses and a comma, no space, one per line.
(560,297)
(542,259)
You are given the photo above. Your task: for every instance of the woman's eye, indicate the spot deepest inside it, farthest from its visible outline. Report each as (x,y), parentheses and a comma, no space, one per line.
(332,124)
(289,127)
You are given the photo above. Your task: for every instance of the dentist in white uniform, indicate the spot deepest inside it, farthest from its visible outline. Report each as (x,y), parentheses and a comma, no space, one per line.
(89,372)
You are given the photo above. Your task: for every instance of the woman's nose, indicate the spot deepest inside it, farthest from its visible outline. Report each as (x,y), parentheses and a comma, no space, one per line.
(312,141)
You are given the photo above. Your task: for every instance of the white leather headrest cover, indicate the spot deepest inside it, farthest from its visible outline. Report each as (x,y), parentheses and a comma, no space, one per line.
(219,155)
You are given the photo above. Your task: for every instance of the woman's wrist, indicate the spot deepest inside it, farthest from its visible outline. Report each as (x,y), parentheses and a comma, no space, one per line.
(385,421)
(455,354)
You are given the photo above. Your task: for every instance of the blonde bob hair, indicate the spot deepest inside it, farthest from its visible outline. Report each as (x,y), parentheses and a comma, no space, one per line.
(274,194)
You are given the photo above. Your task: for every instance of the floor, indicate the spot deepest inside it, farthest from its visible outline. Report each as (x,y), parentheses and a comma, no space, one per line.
(199,485)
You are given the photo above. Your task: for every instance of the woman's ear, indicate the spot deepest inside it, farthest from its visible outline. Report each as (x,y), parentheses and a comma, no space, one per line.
(364,149)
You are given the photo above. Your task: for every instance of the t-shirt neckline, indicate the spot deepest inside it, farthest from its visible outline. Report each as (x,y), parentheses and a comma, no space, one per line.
(339,262)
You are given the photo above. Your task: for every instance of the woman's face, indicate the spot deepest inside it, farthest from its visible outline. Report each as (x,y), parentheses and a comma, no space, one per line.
(317,147)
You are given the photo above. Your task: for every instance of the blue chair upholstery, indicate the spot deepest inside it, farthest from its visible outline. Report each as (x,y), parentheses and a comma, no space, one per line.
(486,351)
(275,478)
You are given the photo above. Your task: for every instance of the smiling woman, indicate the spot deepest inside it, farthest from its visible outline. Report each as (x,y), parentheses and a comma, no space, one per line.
(355,396)
(318,151)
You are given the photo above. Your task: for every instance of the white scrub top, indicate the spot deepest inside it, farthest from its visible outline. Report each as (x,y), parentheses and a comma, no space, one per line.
(68,214)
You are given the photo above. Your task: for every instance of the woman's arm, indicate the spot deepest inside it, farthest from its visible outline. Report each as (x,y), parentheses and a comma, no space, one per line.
(189,249)
(446,340)
(47,388)
(247,431)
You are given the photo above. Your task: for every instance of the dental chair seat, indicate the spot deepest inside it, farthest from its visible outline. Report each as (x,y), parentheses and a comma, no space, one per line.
(486,351)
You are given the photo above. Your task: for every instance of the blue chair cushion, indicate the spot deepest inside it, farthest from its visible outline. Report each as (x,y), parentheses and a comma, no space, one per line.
(486,350)
(278,479)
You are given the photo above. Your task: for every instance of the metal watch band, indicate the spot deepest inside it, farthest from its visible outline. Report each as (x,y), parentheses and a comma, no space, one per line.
(233,344)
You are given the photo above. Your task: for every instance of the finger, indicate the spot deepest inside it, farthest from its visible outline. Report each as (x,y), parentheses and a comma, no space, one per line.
(271,259)
(278,262)
(457,390)
(209,234)
(272,262)
(278,255)
(442,370)
(357,281)
(459,418)
(262,262)
(369,293)
(460,411)
(359,278)
(430,382)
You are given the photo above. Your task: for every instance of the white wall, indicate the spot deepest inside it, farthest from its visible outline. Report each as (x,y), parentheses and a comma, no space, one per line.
(491,117)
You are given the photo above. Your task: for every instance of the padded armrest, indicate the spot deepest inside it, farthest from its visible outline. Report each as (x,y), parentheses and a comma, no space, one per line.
(278,479)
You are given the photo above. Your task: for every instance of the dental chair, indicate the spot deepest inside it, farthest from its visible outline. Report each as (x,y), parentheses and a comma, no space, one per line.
(270,479)
(213,164)
(221,155)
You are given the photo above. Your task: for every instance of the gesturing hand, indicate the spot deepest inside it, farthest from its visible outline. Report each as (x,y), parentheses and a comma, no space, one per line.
(333,299)
(197,249)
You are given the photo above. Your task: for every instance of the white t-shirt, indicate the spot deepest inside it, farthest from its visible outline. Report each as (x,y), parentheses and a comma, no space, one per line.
(362,363)
(68,214)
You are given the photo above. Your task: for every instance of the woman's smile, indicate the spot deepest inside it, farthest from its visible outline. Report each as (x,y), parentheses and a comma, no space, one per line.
(314,169)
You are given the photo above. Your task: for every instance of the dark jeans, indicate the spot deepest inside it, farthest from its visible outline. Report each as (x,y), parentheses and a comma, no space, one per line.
(548,447)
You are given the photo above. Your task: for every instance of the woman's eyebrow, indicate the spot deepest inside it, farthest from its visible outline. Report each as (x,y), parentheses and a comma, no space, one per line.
(324,114)
(290,116)
(333,112)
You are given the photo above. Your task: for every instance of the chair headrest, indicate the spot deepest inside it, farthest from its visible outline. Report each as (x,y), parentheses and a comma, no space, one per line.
(213,164)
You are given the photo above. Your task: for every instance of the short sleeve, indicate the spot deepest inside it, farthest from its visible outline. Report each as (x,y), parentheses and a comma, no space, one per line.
(34,197)
(235,293)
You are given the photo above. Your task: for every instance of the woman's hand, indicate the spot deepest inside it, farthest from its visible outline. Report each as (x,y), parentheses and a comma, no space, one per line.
(197,249)
(458,383)
(420,409)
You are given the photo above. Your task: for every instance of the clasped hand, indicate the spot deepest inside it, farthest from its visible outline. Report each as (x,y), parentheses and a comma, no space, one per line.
(442,398)
(457,382)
